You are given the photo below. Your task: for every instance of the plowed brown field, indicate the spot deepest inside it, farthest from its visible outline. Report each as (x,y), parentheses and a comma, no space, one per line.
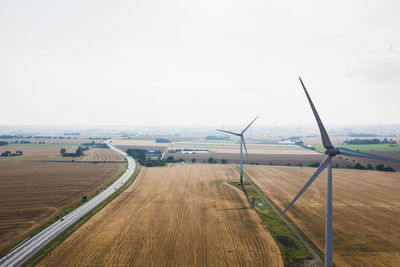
(32,193)
(180,215)
(366,210)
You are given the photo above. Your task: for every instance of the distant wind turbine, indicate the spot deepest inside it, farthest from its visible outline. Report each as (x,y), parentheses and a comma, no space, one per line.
(330,152)
(242,143)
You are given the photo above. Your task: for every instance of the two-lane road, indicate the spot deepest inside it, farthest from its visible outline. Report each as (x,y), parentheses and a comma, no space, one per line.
(27,249)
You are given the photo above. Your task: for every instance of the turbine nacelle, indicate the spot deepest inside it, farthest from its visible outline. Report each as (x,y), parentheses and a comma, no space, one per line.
(333,151)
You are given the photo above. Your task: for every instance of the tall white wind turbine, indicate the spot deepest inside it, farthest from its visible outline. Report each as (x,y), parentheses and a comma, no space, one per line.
(242,143)
(330,152)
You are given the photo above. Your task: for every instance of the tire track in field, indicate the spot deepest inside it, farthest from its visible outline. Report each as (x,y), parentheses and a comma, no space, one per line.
(249,223)
(203,220)
(117,237)
(175,234)
(138,215)
(149,229)
(222,204)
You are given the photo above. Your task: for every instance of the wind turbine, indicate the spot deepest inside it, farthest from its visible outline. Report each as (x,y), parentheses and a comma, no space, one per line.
(242,143)
(330,152)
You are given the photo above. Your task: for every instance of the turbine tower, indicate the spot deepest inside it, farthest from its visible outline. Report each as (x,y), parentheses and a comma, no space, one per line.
(242,143)
(330,152)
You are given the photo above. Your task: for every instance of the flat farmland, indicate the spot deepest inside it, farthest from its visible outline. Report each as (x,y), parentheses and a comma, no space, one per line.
(102,154)
(233,148)
(265,159)
(51,152)
(124,144)
(366,210)
(32,193)
(36,151)
(179,215)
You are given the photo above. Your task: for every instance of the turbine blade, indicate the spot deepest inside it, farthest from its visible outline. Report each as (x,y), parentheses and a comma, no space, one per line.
(349,152)
(325,138)
(229,132)
(321,167)
(249,125)
(245,148)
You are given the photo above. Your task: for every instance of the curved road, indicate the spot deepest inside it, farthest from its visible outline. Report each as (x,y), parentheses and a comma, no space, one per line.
(27,249)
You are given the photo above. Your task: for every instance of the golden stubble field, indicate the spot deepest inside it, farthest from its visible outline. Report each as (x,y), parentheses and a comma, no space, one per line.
(52,153)
(179,215)
(366,210)
(32,192)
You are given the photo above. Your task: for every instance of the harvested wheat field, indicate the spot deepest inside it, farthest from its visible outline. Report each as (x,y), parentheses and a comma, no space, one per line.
(366,210)
(101,154)
(32,193)
(179,215)
(50,152)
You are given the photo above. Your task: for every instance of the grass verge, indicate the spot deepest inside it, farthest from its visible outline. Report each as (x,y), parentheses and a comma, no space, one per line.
(64,235)
(66,210)
(293,251)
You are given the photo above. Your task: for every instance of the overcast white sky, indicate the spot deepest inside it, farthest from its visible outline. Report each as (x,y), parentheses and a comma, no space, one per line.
(198,62)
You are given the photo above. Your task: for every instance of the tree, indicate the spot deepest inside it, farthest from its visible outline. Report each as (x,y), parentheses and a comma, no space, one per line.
(193,160)
(62,151)
(211,160)
(370,167)
(3,143)
(389,169)
(359,166)
(224,161)
(380,167)
(138,154)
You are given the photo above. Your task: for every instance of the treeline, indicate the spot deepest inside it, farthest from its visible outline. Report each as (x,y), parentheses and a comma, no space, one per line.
(141,155)
(162,140)
(5,143)
(96,145)
(172,151)
(9,154)
(379,167)
(363,135)
(374,141)
(358,166)
(217,137)
(193,160)
(72,133)
(78,152)
(35,137)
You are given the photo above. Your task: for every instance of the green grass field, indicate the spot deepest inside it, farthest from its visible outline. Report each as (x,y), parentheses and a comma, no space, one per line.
(378,147)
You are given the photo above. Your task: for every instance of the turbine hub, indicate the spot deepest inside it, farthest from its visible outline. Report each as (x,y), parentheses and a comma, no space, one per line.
(332,151)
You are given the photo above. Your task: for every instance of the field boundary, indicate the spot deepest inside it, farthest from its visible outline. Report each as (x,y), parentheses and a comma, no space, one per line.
(308,244)
(46,250)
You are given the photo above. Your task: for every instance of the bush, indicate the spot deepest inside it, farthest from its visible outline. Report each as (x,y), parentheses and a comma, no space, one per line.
(359,166)
(138,154)
(211,160)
